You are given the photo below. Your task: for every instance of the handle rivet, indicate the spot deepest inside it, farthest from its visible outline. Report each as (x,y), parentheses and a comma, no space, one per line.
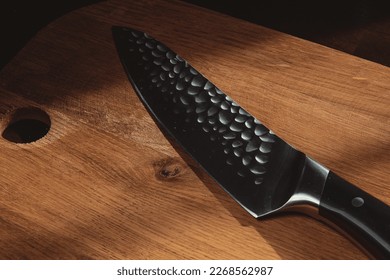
(357,202)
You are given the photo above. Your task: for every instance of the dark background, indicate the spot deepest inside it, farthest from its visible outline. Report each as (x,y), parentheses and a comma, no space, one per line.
(360,27)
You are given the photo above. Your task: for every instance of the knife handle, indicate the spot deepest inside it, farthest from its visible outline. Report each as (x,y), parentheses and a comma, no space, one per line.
(360,215)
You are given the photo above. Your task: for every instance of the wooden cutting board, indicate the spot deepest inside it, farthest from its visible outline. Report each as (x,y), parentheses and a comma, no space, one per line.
(104,183)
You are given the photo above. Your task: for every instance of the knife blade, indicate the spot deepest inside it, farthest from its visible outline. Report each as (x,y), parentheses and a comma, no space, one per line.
(262,172)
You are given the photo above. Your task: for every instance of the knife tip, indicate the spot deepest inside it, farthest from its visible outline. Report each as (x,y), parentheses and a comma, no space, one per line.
(117,28)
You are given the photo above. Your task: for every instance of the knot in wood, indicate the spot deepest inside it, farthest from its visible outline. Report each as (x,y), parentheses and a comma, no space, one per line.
(168,168)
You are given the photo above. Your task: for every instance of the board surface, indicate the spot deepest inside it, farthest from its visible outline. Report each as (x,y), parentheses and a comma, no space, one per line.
(104,183)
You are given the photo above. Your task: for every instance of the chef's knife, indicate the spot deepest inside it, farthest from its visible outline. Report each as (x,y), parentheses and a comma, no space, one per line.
(259,170)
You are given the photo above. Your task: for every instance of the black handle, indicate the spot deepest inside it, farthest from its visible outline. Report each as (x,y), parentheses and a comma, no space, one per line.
(363,217)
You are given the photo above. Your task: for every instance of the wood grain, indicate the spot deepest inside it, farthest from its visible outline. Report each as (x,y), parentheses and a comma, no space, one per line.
(105,183)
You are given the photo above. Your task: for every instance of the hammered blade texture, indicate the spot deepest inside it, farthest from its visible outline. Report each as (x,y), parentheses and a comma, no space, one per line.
(246,158)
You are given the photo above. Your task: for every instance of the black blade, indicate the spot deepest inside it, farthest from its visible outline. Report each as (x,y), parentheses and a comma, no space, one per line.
(252,164)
